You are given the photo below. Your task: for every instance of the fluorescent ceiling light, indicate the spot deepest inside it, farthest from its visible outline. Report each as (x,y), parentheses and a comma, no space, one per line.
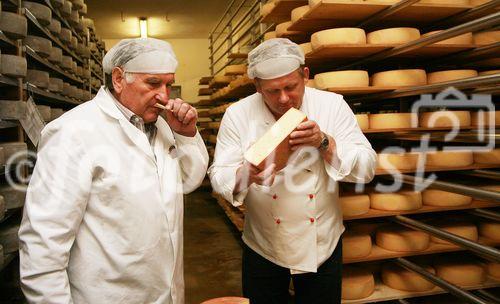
(143,23)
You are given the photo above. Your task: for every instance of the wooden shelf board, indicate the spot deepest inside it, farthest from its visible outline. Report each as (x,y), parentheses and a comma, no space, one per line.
(281,12)
(439,169)
(404,130)
(361,90)
(33,54)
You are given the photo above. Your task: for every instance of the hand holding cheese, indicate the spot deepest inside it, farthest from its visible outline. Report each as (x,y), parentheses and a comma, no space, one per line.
(307,133)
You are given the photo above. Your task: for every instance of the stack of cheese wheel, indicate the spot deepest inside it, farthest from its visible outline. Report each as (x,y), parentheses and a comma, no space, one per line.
(306,48)
(282,30)
(38,78)
(399,78)
(460,228)
(440,198)
(398,35)
(44,111)
(356,245)
(363,121)
(13,25)
(485,119)
(41,46)
(399,201)
(449,159)
(460,39)
(55,26)
(397,161)
(338,36)
(56,55)
(357,283)
(299,12)
(461,272)
(493,269)
(401,278)
(491,157)
(490,230)
(269,35)
(392,121)
(42,12)
(445,119)
(354,204)
(13,66)
(11,110)
(342,79)
(402,239)
(450,75)
(488,37)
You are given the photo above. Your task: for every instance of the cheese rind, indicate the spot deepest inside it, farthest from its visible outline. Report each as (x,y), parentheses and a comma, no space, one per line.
(299,12)
(346,35)
(357,283)
(466,230)
(9,238)
(398,35)
(354,205)
(461,273)
(14,66)
(363,121)
(402,239)
(269,35)
(356,245)
(488,37)
(351,78)
(227,300)
(397,161)
(306,48)
(449,159)
(38,78)
(14,26)
(490,230)
(267,8)
(399,78)
(44,111)
(491,157)
(391,120)
(400,278)
(450,75)
(445,119)
(282,29)
(42,12)
(440,198)
(12,110)
(399,201)
(235,69)
(493,269)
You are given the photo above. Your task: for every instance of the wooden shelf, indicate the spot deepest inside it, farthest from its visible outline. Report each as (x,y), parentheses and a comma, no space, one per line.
(63,20)
(5,80)
(205,80)
(360,90)
(54,68)
(281,12)
(97,76)
(6,41)
(439,169)
(51,96)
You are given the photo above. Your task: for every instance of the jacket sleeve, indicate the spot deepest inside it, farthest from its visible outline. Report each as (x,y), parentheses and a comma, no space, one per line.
(356,160)
(193,160)
(228,158)
(55,203)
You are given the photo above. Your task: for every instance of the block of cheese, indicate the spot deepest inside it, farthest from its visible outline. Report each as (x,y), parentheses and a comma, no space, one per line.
(227,300)
(44,111)
(484,119)
(356,245)
(38,78)
(444,76)
(2,208)
(306,48)
(461,272)
(449,159)
(491,157)
(13,198)
(65,35)
(398,35)
(490,229)
(399,78)
(401,278)
(440,198)
(299,12)
(12,109)
(363,121)
(66,62)
(357,283)
(55,27)
(42,12)
(341,79)
(493,269)
(354,204)
(66,9)
(56,55)
(282,29)
(55,113)
(397,161)
(399,201)
(391,120)
(402,239)
(488,37)
(8,237)
(273,146)
(55,85)
(267,8)
(445,119)
(460,39)
(460,228)
(235,69)
(40,45)
(347,35)
(270,35)
(13,25)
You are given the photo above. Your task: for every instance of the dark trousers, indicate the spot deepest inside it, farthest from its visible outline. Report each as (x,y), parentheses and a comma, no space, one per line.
(267,283)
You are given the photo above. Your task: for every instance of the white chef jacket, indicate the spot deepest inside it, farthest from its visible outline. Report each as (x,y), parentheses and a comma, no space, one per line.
(103,217)
(298,226)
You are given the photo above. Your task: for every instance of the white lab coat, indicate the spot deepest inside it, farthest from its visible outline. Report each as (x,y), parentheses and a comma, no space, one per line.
(295,223)
(103,217)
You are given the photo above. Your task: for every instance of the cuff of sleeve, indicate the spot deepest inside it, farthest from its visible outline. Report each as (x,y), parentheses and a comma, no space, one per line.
(235,199)
(181,139)
(342,163)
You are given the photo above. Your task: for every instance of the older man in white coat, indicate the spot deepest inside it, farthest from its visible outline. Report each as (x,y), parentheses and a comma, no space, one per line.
(293,224)
(104,210)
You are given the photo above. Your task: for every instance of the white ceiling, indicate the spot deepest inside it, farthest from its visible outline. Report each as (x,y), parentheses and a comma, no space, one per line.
(167,19)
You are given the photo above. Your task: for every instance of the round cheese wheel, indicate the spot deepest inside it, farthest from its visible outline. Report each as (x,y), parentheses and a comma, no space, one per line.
(54,26)
(38,78)
(14,199)
(65,35)
(463,229)
(356,245)
(449,159)
(44,111)
(396,78)
(14,66)
(235,69)
(363,121)
(491,72)
(354,205)
(398,35)
(42,12)
(41,46)
(445,119)
(306,47)
(73,43)
(13,25)
(312,3)
(66,62)
(282,29)
(267,8)
(493,269)
(460,39)
(440,198)
(56,85)
(491,157)
(399,201)
(269,35)
(444,76)
(9,238)
(340,79)
(74,18)
(489,37)
(299,12)
(461,273)
(398,161)
(345,35)
(83,10)
(490,230)
(57,3)
(66,9)
(483,119)
(55,55)
(66,89)
(227,300)
(77,4)
(402,239)
(401,278)
(391,120)
(357,283)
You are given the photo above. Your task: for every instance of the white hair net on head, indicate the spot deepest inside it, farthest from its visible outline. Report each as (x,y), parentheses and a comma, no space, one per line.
(141,55)
(274,58)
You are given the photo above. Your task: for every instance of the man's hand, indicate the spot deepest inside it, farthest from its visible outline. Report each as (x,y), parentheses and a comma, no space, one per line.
(307,133)
(248,174)
(182,117)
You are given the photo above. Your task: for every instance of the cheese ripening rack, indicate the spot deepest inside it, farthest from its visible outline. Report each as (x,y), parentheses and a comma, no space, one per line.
(46,50)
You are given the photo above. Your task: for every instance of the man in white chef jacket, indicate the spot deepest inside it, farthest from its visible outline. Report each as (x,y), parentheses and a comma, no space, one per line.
(293,221)
(103,217)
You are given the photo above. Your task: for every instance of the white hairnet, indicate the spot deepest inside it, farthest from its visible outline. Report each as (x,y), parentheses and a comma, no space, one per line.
(274,58)
(141,55)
